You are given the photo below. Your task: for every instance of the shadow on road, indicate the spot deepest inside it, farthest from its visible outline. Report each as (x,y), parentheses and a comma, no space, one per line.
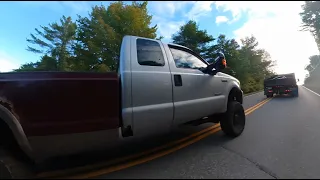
(129,148)
(284,97)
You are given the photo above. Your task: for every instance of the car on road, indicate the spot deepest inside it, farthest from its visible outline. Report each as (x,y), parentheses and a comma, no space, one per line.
(158,87)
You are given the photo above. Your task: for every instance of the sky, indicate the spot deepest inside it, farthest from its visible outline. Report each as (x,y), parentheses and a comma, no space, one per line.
(275,24)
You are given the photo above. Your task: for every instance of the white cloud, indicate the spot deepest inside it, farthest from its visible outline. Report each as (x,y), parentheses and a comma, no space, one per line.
(163,15)
(164,12)
(72,7)
(221,19)
(200,8)
(7,63)
(167,8)
(166,27)
(276,26)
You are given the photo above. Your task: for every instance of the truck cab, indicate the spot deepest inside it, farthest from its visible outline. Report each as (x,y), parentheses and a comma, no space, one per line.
(165,85)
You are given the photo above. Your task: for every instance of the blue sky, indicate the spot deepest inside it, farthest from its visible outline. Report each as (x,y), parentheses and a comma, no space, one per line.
(18,24)
(274,24)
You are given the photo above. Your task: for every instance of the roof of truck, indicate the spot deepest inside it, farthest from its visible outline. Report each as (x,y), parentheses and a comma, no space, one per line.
(280,75)
(289,74)
(160,41)
(177,45)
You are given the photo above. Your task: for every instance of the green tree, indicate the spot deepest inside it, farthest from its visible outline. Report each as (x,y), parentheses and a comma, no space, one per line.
(55,41)
(28,67)
(99,36)
(230,49)
(311,19)
(190,36)
(310,16)
(314,62)
(46,63)
(256,64)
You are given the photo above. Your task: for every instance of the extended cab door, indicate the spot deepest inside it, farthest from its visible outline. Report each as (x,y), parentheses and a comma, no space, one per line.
(152,103)
(195,94)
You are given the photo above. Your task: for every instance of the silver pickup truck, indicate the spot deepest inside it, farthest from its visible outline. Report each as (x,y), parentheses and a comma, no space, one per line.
(165,85)
(157,88)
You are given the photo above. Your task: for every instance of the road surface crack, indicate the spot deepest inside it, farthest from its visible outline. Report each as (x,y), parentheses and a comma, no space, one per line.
(259,166)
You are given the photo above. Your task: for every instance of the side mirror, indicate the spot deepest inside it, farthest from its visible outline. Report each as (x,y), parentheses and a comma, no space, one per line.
(210,69)
(219,64)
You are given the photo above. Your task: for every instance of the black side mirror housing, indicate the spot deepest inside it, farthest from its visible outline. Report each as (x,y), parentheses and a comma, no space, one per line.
(210,69)
(219,64)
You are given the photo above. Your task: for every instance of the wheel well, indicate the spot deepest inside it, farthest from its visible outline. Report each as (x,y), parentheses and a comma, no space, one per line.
(235,95)
(9,142)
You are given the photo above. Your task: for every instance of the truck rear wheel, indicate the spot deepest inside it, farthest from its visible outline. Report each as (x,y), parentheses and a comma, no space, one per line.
(234,120)
(14,164)
(12,168)
(296,93)
(269,95)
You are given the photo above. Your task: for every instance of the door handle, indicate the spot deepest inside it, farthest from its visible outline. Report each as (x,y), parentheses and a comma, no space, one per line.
(177,80)
(224,80)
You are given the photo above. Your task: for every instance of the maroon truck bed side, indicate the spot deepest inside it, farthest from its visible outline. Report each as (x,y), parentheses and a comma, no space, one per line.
(48,103)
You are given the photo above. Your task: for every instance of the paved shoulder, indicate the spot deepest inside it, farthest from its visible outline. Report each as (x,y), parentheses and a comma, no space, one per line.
(313,89)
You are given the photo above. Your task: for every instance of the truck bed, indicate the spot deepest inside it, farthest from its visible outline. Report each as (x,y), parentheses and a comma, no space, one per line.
(281,80)
(48,103)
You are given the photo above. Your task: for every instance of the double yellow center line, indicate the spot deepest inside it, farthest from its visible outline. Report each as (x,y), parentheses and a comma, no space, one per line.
(142,157)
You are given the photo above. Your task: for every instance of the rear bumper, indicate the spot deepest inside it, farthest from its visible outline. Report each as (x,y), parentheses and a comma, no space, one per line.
(280,90)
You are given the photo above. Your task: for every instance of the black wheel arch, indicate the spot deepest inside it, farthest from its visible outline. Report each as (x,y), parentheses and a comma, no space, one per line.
(13,126)
(235,94)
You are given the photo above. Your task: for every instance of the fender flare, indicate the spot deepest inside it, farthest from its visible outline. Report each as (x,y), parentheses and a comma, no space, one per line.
(17,131)
(230,88)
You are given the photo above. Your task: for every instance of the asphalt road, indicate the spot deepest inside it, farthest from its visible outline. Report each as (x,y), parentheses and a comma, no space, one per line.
(281,140)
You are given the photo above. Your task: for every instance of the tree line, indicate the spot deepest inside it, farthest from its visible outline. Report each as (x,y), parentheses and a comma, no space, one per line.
(310,16)
(93,44)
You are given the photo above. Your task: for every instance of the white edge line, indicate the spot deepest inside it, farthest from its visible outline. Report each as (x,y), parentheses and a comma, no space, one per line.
(311,91)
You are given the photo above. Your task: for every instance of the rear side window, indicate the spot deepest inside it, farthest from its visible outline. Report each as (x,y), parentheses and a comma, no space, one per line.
(149,53)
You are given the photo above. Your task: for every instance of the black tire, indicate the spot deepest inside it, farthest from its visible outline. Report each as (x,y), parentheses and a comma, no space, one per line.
(12,168)
(234,120)
(14,164)
(269,95)
(292,94)
(297,94)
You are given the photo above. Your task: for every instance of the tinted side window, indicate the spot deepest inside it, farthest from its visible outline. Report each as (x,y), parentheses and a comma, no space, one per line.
(149,53)
(184,59)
